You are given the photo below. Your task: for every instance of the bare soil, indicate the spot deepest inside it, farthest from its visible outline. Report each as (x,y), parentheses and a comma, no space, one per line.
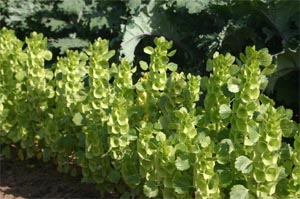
(32,179)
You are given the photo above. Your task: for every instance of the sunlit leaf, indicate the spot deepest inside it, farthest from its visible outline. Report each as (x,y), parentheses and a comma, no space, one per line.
(172,53)
(264,57)
(77,119)
(204,140)
(243,164)
(150,189)
(172,66)
(233,85)
(182,163)
(224,111)
(239,192)
(148,50)
(20,75)
(143,65)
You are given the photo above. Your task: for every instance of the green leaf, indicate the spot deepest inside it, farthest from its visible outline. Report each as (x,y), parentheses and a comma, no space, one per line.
(109,55)
(172,53)
(269,69)
(139,86)
(204,140)
(259,176)
(224,150)
(282,188)
(183,183)
(234,88)
(164,121)
(151,20)
(99,23)
(239,192)
(233,85)
(204,83)
(264,57)
(150,189)
(181,147)
(224,111)
(18,11)
(148,50)
(77,119)
(271,173)
(47,55)
(234,69)
(286,62)
(282,14)
(134,31)
(160,137)
(172,66)
(99,92)
(243,164)
(253,136)
(114,176)
(133,180)
(210,64)
(143,65)
(72,7)
(66,43)
(242,112)
(49,74)
(194,6)
(54,24)
(182,163)
(287,127)
(229,59)
(274,143)
(263,83)
(125,195)
(225,177)
(20,75)
(133,5)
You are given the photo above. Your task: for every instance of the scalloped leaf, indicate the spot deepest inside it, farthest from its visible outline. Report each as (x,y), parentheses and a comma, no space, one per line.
(240,192)
(182,163)
(224,111)
(243,164)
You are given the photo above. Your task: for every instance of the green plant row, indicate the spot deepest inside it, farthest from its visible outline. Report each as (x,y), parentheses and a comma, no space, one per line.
(155,137)
(197,29)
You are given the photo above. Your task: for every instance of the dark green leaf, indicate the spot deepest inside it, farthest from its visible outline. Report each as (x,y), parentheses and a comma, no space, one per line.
(114,176)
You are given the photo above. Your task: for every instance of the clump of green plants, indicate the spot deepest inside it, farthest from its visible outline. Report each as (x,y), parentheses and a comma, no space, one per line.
(197,29)
(168,134)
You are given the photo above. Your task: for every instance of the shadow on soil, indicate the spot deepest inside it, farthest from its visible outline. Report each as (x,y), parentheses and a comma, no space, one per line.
(31,179)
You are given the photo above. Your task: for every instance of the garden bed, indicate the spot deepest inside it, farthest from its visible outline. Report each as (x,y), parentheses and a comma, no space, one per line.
(32,179)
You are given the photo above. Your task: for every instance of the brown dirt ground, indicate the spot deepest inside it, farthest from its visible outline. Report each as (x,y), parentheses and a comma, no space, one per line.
(31,179)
